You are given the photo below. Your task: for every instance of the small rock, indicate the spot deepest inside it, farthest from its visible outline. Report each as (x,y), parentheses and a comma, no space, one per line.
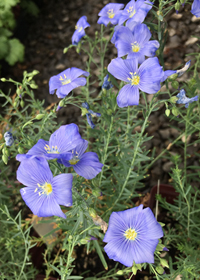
(60,66)
(167,166)
(176,16)
(191,41)
(172,32)
(173,24)
(195,19)
(165,133)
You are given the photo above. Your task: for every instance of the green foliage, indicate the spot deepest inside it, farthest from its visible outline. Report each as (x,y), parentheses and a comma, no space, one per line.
(11,49)
(120,139)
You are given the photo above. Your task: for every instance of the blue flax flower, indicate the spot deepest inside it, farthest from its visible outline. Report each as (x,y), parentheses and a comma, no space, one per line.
(183,99)
(66,81)
(44,193)
(80,30)
(135,11)
(9,138)
(61,142)
(196,8)
(89,114)
(107,83)
(136,43)
(132,236)
(146,78)
(110,14)
(87,164)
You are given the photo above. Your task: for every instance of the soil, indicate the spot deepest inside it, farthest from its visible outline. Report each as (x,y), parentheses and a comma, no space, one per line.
(46,36)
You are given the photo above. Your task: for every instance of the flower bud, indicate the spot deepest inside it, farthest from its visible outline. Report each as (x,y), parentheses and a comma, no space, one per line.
(35,72)
(164,263)
(177,6)
(20,150)
(173,99)
(92,213)
(5,159)
(120,272)
(167,112)
(160,269)
(39,116)
(175,84)
(172,77)
(22,103)
(5,151)
(3,79)
(33,86)
(175,111)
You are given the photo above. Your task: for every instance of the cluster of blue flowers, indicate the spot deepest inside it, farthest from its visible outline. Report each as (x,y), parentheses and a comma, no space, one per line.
(43,194)
(133,234)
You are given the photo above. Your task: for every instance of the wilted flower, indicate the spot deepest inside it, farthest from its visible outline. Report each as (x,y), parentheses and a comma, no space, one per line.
(135,44)
(87,164)
(66,81)
(61,142)
(80,30)
(184,69)
(135,11)
(196,8)
(107,83)
(44,193)
(110,14)
(9,138)
(183,99)
(132,236)
(89,114)
(146,78)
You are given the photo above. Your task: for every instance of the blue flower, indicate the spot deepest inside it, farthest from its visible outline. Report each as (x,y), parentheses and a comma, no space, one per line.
(66,81)
(61,142)
(87,164)
(132,236)
(179,72)
(107,83)
(135,43)
(80,30)
(183,99)
(89,114)
(196,8)
(135,11)
(147,78)
(44,193)
(110,14)
(9,138)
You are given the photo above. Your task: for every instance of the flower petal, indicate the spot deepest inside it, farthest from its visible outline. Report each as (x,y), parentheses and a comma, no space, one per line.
(128,96)
(62,188)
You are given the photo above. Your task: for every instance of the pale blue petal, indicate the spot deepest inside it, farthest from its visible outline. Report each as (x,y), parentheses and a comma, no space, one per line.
(66,138)
(128,95)
(118,69)
(88,166)
(50,207)
(62,188)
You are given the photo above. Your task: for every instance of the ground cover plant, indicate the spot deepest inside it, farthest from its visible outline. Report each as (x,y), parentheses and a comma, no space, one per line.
(86,179)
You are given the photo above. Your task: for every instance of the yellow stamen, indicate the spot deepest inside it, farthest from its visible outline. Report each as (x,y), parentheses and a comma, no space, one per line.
(130,234)
(74,161)
(110,13)
(47,189)
(135,79)
(52,150)
(64,81)
(131,11)
(135,47)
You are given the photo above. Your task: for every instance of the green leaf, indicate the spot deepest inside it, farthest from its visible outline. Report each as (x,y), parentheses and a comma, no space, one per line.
(101,256)
(7,4)
(4,46)
(16,52)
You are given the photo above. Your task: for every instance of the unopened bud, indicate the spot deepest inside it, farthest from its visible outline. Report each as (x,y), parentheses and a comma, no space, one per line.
(5,159)
(120,272)
(92,213)
(172,77)
(39,116)
(173,99)
(177,6)
(35,72)
(22,103)
(5,151)
(175,84)
(167,112)
(175,111)
(3,79)
(20,150)
(33,86)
